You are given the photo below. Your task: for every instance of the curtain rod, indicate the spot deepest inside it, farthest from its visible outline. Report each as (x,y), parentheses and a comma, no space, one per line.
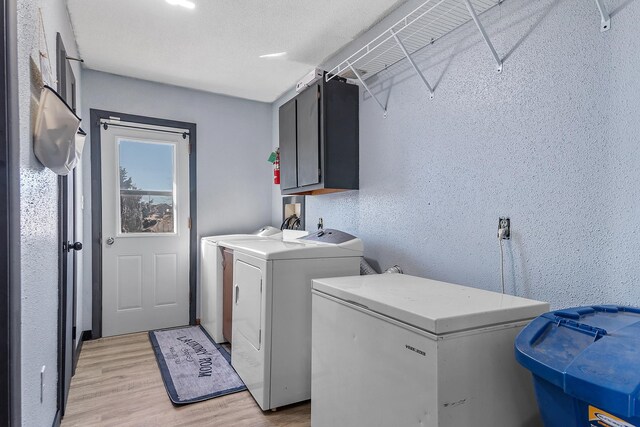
(106,125)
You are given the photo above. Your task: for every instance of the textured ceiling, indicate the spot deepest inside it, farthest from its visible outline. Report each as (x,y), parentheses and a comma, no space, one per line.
(216,47)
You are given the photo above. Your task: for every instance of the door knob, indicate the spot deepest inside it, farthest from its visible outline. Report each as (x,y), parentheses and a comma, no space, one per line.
(77,246)
(110,241)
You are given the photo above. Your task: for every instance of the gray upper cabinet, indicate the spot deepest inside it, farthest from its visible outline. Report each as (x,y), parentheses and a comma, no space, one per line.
(319,139)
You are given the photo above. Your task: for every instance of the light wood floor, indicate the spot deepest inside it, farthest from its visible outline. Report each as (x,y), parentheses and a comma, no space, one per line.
(118,383)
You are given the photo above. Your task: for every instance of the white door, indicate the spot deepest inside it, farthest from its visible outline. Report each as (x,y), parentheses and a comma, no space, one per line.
(145,228)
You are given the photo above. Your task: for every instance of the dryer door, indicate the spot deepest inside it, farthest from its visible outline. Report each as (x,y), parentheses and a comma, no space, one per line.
(247,309)
(251,347)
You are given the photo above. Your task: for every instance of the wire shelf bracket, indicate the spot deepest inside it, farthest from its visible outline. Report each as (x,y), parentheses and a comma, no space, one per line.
(413,64)
(486,38)
(366,87)
(605,18)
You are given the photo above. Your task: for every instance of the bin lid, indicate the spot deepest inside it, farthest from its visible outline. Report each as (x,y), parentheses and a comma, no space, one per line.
(592,353)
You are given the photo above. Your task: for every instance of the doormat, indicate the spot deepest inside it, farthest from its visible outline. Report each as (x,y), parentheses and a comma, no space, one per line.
(193,366)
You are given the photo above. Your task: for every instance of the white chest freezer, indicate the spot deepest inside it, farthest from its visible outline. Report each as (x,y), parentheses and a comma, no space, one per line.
(397,350)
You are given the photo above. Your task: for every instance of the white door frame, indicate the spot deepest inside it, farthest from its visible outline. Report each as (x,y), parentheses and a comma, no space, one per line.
(96,207)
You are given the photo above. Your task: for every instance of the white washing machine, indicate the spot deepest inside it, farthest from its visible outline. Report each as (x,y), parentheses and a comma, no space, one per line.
(211,273)
(397,350)
(271,348)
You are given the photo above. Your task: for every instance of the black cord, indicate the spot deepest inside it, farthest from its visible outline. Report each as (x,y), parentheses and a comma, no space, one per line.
(296,224)
(286,224)
(291,221)
(283,223)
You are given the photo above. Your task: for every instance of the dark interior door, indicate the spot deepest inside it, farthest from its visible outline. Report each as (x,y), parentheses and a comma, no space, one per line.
(288,150)
(309,136)
(68,245)
(72,220)
(67,267)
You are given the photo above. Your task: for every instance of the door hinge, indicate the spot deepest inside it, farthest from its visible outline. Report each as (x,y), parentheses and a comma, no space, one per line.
(259,336)
(189,148)
(189,223)
(260,285)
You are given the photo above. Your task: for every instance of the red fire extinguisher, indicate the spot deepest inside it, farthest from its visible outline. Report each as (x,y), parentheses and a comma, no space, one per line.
(276,169)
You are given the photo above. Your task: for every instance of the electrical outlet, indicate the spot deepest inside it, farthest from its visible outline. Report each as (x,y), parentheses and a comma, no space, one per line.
(505,224)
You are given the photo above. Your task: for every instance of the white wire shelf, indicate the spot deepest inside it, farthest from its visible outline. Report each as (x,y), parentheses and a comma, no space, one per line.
(427,23)
(423,26)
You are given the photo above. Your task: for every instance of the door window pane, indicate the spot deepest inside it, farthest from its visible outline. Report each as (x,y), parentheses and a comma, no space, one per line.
(147,175)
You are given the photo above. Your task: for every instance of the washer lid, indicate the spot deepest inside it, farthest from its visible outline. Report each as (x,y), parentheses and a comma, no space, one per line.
(277,249)
(433,306)
(216,239)
(260,234)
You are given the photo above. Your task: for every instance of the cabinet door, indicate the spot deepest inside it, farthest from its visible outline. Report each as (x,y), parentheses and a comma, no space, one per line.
(309,136)
(288,150)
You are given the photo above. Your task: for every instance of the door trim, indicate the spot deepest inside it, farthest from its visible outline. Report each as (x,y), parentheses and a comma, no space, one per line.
(10,372)
(63,209)
(96,209)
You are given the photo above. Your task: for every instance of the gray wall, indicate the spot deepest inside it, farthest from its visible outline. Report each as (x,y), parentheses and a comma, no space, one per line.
(551,142)
(38,217)
(233,144)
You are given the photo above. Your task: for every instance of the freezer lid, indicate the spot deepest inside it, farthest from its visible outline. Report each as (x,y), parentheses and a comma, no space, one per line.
(433,306)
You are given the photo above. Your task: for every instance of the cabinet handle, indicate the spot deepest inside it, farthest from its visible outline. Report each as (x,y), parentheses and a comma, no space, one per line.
(237,293)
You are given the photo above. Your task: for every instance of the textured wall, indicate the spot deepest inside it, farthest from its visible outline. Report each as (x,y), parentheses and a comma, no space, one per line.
(233,143)
(38,218)
(551,142)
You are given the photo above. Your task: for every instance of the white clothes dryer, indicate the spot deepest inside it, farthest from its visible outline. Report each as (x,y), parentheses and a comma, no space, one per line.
(271,348)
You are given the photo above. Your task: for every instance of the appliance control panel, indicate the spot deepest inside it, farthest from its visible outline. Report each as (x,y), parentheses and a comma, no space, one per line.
(328,235)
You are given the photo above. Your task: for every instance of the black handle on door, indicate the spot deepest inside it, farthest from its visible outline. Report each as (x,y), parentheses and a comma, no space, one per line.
(77,246)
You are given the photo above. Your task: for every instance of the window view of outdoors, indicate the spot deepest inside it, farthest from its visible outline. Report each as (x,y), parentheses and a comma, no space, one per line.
(146,187)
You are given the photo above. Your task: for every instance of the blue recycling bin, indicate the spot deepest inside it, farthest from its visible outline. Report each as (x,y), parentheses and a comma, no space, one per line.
(585,363)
